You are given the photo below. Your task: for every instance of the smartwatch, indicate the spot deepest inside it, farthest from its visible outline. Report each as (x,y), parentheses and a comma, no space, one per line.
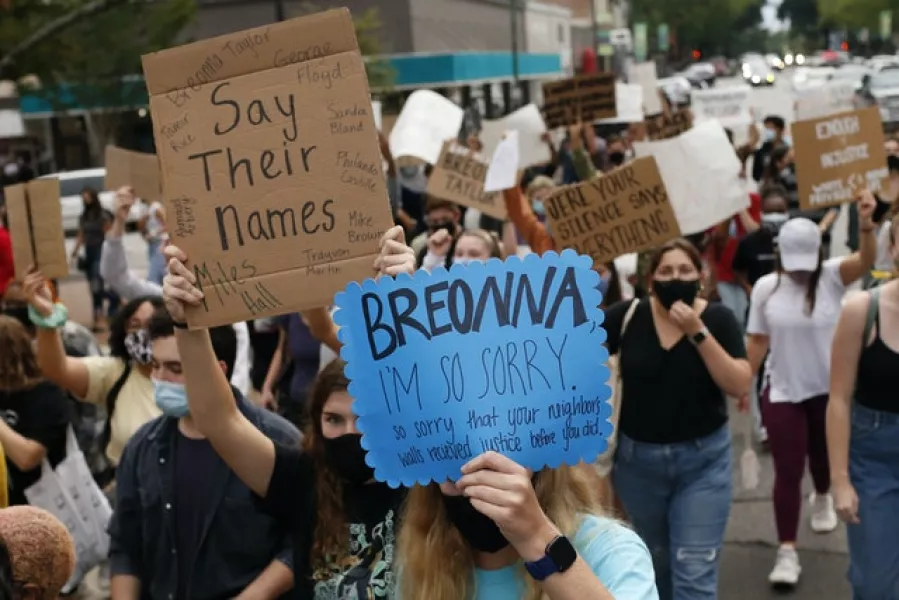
(700,336)
(560,555)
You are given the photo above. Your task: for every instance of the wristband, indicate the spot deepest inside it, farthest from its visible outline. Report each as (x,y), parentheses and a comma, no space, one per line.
(57,318)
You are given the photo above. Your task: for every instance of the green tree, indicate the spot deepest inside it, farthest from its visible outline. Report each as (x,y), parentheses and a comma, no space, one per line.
(855,14)
(94,63)
(710,27)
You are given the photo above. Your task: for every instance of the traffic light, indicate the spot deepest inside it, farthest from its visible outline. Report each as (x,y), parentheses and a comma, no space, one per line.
(844,46)
(697,55)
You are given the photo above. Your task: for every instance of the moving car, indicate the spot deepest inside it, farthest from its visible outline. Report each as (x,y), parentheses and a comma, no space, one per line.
(794,59)
(71,183)
(805,78)
(881,89)
(756,72)
(700,75)
(775,62)
(677,89)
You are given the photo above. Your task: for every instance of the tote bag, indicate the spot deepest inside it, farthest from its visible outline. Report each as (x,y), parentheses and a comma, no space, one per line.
(70,493)
(603,464)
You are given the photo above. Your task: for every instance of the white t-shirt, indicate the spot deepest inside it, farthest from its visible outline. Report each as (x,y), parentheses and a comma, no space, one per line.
(799,363)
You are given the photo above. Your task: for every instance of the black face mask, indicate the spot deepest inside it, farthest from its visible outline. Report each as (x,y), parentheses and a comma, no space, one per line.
(616,159)
(480,531)
(669,292)
(893,163)
(448,225)
(345,455)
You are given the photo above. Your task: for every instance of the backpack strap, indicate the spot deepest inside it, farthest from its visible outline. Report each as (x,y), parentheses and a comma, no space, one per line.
(871,317)
(111,399)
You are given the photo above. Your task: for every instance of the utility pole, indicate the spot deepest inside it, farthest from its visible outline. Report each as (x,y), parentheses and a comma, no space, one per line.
(513,17)
(594,27)
(279,10)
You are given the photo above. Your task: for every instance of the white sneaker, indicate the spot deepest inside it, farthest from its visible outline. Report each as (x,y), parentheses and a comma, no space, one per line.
(786,569)
(824,517)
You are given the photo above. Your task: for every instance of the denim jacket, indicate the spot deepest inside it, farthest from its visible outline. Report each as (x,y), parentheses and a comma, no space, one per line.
(239,540)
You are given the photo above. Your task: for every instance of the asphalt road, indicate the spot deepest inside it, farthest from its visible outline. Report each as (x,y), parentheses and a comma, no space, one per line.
(751,541)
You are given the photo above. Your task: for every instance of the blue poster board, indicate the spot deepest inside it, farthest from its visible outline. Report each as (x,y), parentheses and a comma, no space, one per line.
(504,356)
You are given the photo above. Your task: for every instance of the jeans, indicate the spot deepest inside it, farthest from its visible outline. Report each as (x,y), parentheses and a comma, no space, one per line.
(678,498)
(874,472)
(734,297)
(796,430)
(156,260)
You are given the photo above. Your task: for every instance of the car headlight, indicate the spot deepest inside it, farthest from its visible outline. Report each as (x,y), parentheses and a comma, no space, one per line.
(800,59)
(770,78)
(756,79)
(788,59)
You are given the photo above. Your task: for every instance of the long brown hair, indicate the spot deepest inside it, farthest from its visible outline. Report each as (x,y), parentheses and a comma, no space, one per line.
(331,538)
(18,362)
(438,564)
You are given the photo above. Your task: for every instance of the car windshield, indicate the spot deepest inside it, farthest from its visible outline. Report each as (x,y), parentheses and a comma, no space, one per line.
(73,186)
(887,78)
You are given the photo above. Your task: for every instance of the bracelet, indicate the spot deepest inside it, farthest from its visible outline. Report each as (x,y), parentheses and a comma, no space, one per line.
(57,318)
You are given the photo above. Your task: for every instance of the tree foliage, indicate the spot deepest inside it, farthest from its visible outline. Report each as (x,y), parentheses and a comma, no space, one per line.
(855,14)
(711,27)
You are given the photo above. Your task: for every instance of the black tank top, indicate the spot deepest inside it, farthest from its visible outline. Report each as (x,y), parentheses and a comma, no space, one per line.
(878,374)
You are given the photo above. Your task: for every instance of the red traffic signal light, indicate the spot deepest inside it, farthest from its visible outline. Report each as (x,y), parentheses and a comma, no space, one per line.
(697,55)
(844,46)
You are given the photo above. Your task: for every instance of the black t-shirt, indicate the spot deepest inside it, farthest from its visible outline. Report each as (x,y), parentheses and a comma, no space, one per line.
(669,395)
(755,255)
(41,414)
(195,462)
(372,512)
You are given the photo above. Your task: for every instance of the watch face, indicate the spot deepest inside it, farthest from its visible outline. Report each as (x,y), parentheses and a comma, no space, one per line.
(562,553)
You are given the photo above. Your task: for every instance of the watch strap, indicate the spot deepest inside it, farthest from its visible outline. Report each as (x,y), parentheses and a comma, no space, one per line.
(560,555)
(700,336)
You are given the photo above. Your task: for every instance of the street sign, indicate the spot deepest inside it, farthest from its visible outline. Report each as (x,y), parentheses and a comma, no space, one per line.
(663,36)
(640,42)
(886,24)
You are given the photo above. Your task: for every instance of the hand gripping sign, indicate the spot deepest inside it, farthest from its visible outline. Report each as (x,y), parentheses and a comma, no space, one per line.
(504,356)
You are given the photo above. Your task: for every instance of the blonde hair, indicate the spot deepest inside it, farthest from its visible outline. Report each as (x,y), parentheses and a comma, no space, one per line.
(436,562)
(489,238)
(540,182)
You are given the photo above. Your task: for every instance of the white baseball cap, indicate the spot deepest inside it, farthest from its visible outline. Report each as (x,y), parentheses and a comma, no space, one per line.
(799,243)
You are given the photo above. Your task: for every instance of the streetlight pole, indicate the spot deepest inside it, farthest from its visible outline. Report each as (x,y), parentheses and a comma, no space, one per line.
(513,17)
(279,10)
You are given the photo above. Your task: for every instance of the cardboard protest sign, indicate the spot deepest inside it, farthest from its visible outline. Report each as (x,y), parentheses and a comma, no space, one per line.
(701,173)
(136,169)
(503,356)
(271,168)
(837,155)
(34,214)
(528,122)
(426,121)
(626,210)
(827,99)
(581,99)
(459,177)
(730,106)
(668,125)
(628,104)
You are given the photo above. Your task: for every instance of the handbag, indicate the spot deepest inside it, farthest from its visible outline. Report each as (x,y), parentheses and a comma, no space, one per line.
(603,464)
(70,493)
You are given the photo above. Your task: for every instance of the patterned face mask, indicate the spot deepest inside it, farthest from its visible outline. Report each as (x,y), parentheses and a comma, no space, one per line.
(137,344)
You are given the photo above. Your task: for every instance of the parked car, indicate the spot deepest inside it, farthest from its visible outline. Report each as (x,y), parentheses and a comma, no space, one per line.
(881,89)
(883,61)
(677,89)
(721,65)
(805,78)
(758,72)
(71,183)
(700,75)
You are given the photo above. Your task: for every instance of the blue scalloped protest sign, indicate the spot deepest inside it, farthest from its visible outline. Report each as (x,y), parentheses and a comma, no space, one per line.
(504,356)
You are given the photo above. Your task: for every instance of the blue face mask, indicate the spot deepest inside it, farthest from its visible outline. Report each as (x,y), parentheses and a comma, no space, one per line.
(769,135)
(788,140)
(171,398)
(539,209)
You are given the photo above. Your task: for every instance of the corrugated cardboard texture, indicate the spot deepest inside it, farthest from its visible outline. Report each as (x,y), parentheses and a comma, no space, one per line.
(581,99)
(838,155)
(626,210)
(41,233)
(140,170)
(459,177)
(271,168)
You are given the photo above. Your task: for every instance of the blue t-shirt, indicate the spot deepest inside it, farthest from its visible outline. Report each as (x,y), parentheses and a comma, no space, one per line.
(616,555)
